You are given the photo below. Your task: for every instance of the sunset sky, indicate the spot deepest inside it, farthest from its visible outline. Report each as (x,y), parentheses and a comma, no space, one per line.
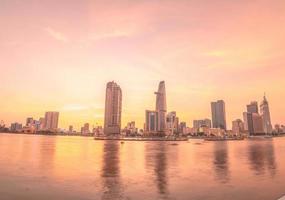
(58,55)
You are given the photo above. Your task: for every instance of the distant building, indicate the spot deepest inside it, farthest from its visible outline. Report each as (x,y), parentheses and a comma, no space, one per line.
(265,114)
(202,122)
(42,123)
(161,107)
(183,128)
(85,129)
(131,129)
(248,122)
(238,126)
(113,109)
(98,131)
(172,123)
(28,129)
(70,129)
(252,107)
(37,125)
(51,121)
(253,120)
(210,131)
(257,124)
(151,122)
(278,129)
(29,121)
(16,127)
(219,114)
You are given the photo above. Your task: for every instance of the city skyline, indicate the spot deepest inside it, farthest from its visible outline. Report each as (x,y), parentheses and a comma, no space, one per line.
(142,99)
(62,66)
(253,121)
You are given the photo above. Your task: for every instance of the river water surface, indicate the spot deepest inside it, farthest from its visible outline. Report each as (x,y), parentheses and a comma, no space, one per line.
(34,167)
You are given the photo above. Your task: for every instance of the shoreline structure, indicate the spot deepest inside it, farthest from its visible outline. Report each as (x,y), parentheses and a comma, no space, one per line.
(144,138)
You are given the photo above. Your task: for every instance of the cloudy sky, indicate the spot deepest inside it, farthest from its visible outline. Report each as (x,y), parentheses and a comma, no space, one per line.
(59,55)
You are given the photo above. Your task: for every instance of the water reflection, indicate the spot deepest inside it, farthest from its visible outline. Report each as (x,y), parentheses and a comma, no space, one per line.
(111,171)
(47,150)
(43,167)
(220,161)
(262,157)
(156,163)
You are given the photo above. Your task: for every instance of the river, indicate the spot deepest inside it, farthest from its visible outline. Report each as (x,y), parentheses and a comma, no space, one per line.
(36,167)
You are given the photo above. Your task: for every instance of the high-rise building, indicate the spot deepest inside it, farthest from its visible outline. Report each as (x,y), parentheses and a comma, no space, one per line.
(257,124)
(238,126)
(161,107)
(51,121)
(253,120)
(151,122)
(248,123)
(202,123)
(219,114)
(252,107)
(113,109)
(265,114)
(172,123)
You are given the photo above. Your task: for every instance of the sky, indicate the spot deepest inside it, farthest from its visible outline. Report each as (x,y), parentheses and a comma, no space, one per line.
(58,55)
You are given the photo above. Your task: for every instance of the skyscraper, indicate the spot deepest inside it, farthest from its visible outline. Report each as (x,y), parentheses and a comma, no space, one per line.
(257,124)
(51,120)
(248,122)
(161,107)
(265,114)
(151,122)
(252,107)
(113,109)
(219,114)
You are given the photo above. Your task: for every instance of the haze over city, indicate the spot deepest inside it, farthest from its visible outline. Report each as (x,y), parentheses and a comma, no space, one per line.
(62,60)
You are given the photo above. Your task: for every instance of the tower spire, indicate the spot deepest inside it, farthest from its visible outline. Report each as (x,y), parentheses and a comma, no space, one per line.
(264,97)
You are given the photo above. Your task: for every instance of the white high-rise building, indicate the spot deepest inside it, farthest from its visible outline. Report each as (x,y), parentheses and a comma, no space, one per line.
(161,107)
(51,121)
(265,114)
(113,109)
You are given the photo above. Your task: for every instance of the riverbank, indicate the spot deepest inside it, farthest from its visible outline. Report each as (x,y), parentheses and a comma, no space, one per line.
(143,138)
(48,134)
